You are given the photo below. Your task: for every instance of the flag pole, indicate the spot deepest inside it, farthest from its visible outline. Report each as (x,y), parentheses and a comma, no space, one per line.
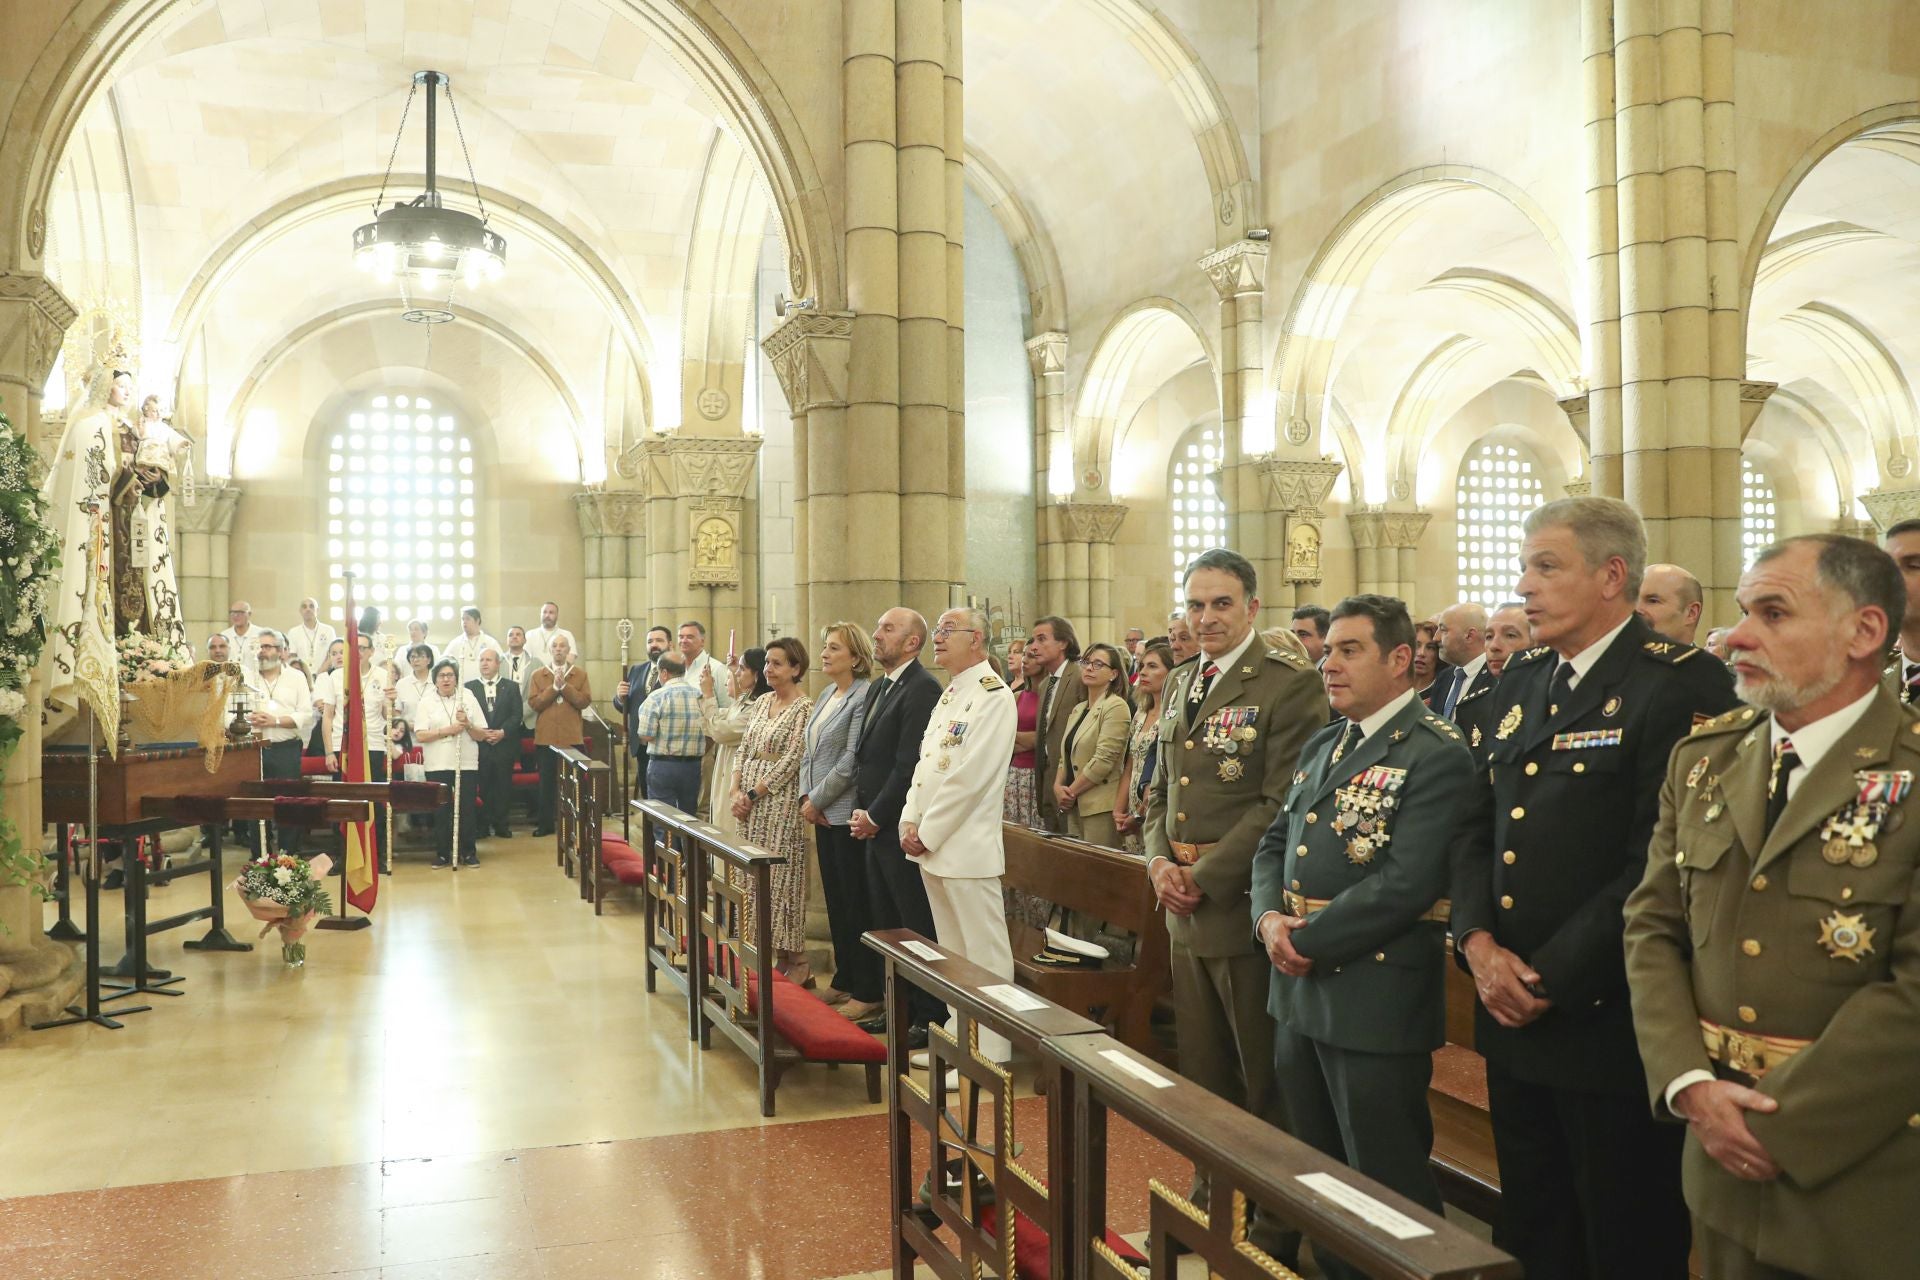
(352,729)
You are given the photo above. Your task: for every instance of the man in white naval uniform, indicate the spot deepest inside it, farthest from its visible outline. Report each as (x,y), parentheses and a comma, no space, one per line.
(951,822)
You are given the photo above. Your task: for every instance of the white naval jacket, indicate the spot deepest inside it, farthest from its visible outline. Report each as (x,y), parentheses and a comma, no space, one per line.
(958,786)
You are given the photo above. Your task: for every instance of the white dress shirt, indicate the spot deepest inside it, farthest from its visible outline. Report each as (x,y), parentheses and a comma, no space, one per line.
(244,649)
(285,693)
(1584,660)
(466,650)
(310,646)
(373,699)
(458,751)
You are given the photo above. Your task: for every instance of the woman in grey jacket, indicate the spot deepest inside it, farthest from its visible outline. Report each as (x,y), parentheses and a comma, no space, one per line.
(826,800)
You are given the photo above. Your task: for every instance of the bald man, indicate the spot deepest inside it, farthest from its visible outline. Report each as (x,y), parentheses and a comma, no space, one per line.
(243,638)
(1463,645)
(1671,602)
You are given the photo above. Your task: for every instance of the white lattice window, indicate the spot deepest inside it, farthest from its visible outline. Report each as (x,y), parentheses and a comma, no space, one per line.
(1759,523)
(400,509)
(1199,516)
(1498,486)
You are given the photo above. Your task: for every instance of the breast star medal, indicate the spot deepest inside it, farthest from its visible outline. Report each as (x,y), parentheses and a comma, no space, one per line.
(1232,769)
(1509,723)
(1846,937)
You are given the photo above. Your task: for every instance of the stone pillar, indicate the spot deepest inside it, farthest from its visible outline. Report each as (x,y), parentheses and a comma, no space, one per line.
(202,534)
(1238,275)
(34,316)
(1079,541)
(1603,247)
(810,355)
(1296,492)
(1386,547)
(1047,354)
(701,536)
(613,541)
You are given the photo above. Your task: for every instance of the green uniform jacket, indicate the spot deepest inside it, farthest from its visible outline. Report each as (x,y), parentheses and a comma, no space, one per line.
(1203,795)
(1738,928)
(1379,970)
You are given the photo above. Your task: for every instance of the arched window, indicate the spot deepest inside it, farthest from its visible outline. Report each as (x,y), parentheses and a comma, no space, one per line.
(1498,486)
(1199,516)
(400,508)
(1759,525)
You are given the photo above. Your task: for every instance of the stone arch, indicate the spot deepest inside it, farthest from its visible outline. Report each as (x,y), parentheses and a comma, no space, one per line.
(1309,340)
(1881,393)
(99,35)
(1142,347)
(1039,263)
(717,307)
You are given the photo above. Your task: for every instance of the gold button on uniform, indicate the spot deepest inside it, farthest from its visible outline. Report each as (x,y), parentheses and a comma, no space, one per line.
(1302,851)
(1189,744)
(1532,768)
(1747,1014)
(1506,901)
(1295,885)
(1759,883)
(1750,947)
(1507,857)
(1519,812)
(1179,817)
(1579,766)
(1680,858)
(1183,779)
(1379,955)
(1313,817)
(1846,892)
(1913,1121)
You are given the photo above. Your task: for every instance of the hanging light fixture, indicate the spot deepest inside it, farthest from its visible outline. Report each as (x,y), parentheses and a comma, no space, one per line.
(425,247)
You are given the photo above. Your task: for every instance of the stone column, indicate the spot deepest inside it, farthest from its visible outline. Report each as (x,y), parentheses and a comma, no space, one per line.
(1603,247)
(1047,354)
(34,316)
(613,540)
(701,536)
(1238,275)
(1079,541)
(1386,547)
(1296,499)
(810,355)
(202,534)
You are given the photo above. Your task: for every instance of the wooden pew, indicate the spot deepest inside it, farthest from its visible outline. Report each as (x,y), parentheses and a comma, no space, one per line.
(1103,884)
(1463,1159)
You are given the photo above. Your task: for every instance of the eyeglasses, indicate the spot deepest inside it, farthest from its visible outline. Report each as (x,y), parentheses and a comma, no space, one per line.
(1099,666)
(941,633)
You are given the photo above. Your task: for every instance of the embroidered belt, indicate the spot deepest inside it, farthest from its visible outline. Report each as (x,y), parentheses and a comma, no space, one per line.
(1743,1051)
(1300,905)
(1188,854)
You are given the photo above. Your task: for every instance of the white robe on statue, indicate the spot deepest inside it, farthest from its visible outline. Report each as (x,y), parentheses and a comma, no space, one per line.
(81,660)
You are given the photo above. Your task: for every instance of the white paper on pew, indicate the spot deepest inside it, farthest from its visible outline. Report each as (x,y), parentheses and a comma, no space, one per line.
(1013,998)
(1365,1207)
(1135,1069)
(921,949)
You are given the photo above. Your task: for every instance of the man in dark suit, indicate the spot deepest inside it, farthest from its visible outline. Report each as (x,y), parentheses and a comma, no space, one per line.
(1555,839)
(896,717)
(1353,933)
(1463,645)
(499,698)
(641,679)
(1061,690)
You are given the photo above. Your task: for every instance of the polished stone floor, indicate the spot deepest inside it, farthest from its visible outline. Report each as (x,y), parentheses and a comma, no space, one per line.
(476,1087)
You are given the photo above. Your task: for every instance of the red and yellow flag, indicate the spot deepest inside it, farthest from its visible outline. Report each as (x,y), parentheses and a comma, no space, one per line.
(363,866)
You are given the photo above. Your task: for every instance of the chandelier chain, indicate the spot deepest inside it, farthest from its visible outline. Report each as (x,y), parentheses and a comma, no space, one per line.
(461,133)
(391,155)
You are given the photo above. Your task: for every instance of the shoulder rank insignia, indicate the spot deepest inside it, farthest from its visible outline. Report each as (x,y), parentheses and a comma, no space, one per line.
(1726,720)
(1534,654)
(990,683)
(1671,651)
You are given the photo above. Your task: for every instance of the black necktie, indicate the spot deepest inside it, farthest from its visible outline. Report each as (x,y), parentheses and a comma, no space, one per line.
(1562,688)
(1785,761)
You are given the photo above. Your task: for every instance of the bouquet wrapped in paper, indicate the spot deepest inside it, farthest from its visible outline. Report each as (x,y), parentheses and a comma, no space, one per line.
(286,893)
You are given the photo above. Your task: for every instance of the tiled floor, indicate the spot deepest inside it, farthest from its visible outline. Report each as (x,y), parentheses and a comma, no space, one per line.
(476,1087)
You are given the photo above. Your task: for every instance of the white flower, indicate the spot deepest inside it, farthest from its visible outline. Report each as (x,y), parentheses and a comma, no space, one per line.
(283,876)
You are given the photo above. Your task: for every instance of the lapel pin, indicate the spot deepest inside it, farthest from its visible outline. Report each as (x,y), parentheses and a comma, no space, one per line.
(1612,708)
(1864,753)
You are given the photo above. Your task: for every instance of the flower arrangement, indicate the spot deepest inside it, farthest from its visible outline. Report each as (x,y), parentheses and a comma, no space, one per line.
(29,556)
(143,657)
(286,893)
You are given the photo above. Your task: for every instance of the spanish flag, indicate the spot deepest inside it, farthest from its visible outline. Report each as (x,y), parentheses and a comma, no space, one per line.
(363,867)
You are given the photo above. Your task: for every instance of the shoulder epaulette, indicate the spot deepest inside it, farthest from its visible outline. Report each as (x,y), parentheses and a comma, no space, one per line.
(1441,726)
(1669,651)
(1738,718)
(1481,691)
(991,683)
(1293,660)
(1534,654)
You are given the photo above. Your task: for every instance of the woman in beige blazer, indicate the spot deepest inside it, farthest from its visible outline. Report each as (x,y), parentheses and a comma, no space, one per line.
(1087,781)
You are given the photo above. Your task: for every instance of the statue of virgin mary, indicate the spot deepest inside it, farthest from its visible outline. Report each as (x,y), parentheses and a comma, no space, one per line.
(81,659)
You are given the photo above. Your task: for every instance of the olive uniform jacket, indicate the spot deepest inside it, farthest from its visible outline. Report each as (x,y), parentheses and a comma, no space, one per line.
(1555,838)
(1220,804)
(1376,941)
(1763,934)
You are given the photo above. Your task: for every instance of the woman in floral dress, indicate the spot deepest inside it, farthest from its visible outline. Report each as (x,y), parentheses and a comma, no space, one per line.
(766,797)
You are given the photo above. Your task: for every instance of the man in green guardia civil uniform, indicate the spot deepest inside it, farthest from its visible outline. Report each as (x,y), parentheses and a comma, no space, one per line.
(1773,947)
(1345,890)
(1235,719)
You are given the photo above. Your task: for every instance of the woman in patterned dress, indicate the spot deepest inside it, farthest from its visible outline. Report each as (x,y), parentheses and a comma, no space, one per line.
(766,798)
(746,684)
(1021,804)
(1130,809)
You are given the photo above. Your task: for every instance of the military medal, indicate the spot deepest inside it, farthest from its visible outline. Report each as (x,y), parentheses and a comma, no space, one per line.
(1698,772)
(1509,723)
(1364,806)
(1847,937)
(1612,707)
(1848,836)
(1231,769)
(1476,735)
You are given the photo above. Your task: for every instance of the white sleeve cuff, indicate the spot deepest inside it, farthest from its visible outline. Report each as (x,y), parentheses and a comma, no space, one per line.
(1682,1081)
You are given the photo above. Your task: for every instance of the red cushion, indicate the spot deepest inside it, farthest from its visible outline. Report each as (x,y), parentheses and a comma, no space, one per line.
(310,766)
(1030,1245)
(820,1034)
(628,870)
(612,845)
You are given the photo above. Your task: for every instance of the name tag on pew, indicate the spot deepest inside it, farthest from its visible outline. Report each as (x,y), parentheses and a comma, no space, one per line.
(1365,1207)
(1137,1070)
(1012,997)
(1588,739)
(921,949)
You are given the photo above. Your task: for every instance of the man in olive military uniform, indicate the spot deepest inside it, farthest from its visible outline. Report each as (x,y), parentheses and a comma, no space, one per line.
(1554,841)
(1345,885)
(1235,720)
(1774,959)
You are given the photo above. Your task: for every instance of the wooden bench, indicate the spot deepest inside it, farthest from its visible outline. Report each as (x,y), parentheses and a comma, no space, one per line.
(1106,885)
(1463,1159)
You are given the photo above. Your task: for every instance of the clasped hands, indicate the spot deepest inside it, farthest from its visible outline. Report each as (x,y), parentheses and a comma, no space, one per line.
(1173,884)
(1716,1112)
(1504,982)
(1276,935)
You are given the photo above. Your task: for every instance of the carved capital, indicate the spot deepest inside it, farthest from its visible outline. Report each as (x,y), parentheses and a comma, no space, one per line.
(1387,530)
(1296,485)
(1578,488)
(1047,353)
(1753,398)
(1238,269)
(1889,507)
(618,512)
(699,466)
(34,316)
(809,353)
(1089,521)
(212,510)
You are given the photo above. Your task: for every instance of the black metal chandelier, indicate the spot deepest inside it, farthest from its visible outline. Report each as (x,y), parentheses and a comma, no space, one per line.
(428,249)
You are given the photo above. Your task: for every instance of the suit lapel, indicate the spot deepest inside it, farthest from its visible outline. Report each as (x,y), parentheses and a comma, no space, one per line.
(1372,749)
(1226,686)
(1830,784)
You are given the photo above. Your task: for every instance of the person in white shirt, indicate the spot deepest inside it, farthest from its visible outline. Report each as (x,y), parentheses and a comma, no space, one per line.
(466,646)
(951,822)
(450,729)
(307,643)
(417,634)
(327,691)
(283,715)
(376,698)
(540,639)
(243,638)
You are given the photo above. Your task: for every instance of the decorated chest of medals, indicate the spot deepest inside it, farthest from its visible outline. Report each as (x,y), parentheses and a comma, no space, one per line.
(1230,733)
(1363,808)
